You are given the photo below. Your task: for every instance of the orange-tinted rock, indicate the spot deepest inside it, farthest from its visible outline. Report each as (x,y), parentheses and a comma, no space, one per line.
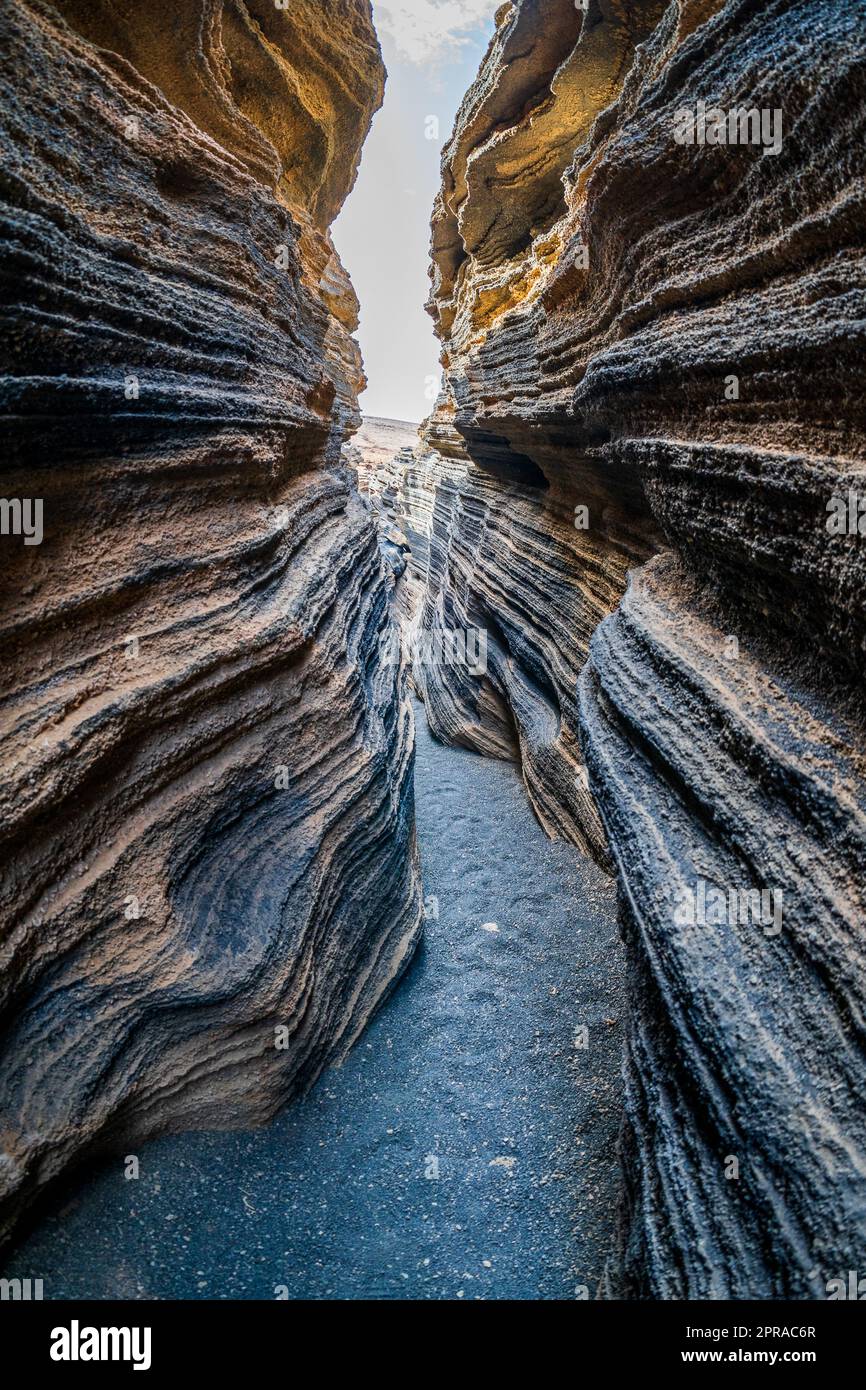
(205,807)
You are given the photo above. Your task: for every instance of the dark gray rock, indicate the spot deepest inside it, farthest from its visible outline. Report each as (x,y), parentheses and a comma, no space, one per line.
(675,344)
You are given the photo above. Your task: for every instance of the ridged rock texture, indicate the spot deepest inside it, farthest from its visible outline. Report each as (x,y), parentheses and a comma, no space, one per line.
(379,454)
(652,397)
(210,876)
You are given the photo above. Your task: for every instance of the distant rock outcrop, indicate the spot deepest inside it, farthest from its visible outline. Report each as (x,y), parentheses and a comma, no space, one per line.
(205,804)
(379,453)
(373,450)
(643,480)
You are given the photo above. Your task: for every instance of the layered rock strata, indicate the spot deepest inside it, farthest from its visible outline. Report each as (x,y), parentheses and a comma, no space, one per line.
(206,812)
(643,478)
(379,454)
(373,452)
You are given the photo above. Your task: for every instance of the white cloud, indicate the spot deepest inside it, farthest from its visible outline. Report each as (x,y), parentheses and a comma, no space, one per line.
(424,30)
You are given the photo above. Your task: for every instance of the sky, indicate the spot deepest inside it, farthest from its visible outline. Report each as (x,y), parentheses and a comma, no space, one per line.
(432,50)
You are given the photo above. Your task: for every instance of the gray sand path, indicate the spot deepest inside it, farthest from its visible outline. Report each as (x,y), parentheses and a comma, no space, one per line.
(465,1149)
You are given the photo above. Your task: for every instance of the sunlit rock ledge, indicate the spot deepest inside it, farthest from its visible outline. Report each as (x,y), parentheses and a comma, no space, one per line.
(653,347)
(209,873)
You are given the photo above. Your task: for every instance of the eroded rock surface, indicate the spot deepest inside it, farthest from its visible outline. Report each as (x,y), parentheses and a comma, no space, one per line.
(651,353)
(379,454)
(373,452)
(205,807)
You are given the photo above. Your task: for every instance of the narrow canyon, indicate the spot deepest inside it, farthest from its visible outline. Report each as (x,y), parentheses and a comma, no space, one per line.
(496,795)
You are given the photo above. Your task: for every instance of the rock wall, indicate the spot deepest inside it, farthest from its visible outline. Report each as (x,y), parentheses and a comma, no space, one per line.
(373,450)
(378,453)
(652,425)
(205,805)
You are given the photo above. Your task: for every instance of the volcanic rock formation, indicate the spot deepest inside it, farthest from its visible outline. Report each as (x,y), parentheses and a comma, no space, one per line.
(374,448)
(379,453)
(641,480)
(206,810)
